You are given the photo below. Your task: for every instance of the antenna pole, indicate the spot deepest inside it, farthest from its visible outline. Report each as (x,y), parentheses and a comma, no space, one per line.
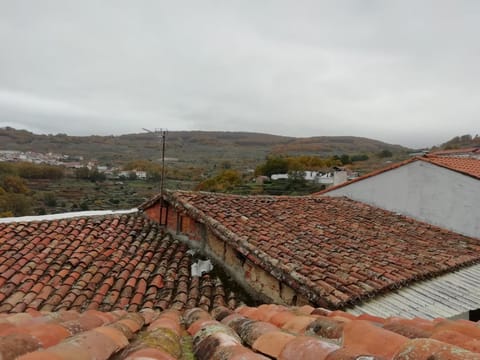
(162,134)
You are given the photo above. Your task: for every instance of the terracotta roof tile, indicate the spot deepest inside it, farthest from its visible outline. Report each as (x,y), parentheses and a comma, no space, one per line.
(104,263)
(468,166)
(456,152)
(334,251)
(354,337)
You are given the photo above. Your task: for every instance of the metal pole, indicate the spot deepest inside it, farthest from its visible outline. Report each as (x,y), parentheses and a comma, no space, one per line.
(163,162)
(162,134)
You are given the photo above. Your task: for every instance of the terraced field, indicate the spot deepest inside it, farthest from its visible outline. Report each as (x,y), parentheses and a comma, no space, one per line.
(75,195)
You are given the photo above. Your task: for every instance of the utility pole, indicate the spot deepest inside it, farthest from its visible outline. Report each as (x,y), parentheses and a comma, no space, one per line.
(162,134)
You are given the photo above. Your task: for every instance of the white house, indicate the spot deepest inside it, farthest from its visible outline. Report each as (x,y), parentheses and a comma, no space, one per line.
(142,175)
(443,191)
(329,178)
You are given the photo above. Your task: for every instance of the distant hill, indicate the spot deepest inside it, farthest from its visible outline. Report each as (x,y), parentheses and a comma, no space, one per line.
(336,145)
(196,148)
(458,142)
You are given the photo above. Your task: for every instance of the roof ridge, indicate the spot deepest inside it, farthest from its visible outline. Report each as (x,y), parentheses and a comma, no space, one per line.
(259,257)
(429,158)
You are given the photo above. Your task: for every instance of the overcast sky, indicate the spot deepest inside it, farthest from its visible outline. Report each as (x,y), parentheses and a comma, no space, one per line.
(401,71)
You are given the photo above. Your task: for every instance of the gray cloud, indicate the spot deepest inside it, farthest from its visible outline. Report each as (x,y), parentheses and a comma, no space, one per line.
(400,71)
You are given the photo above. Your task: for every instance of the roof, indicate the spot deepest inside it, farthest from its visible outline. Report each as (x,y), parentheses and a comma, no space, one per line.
(100,263)
(66,215)
(334,251)
(265,332)
(455,152)
(465,166)
(444,296)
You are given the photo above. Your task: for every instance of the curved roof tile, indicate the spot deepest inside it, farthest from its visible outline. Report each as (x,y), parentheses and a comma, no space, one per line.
(101,263)
(335,251)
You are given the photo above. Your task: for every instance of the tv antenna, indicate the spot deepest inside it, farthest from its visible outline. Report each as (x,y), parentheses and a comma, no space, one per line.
(162,135)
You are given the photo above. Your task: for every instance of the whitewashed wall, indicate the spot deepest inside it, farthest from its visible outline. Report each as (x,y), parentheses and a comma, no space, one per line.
(424,191)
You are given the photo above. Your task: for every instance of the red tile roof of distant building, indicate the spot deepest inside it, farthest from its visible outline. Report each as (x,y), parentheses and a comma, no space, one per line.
(453,152)
(467,166)
(105,263)
(334,251)
(261,333)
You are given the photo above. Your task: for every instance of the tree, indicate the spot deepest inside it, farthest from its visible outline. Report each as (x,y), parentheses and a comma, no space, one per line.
(82,173)
(85,173)
(84,205)
(225,181)
(273,165)
(14,184)
(385,154)
(7,168)
(96,175)
(226,165)
(14,203)
(296,181)
(359,157)
(39,171)
(345,159)
(154,175)
(50,199)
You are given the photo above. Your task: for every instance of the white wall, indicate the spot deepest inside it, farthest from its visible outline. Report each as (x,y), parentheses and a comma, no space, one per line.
(424,191)
(462,316)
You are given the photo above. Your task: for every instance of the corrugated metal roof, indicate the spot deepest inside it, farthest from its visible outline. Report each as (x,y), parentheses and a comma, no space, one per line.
(444,296)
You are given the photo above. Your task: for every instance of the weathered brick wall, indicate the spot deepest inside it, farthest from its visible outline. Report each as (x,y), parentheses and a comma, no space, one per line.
(257,278)
(244,270)
(182,225)
(153,212)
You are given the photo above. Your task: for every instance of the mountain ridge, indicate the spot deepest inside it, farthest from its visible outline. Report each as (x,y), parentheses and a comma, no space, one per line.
(192,148)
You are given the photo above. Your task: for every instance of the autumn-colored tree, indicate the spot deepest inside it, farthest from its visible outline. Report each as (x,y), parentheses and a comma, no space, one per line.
(13,204)
(282,165)
(14,184)
(226,180)
(39,171)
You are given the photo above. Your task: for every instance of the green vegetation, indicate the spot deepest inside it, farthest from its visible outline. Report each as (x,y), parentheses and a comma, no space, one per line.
(288,164)
(202,150)
(225,181)
(85,173)
(42,171)
(385,154)
(273,165)
(211,161)
(231,181)
(15,194)
(463,141)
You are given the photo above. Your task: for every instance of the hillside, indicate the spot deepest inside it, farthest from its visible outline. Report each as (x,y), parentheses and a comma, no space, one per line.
(192,148)
(192,157)
(458,142)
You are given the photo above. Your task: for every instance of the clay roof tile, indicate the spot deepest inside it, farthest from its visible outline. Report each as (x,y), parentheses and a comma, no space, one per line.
(69,269)
(316,250)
